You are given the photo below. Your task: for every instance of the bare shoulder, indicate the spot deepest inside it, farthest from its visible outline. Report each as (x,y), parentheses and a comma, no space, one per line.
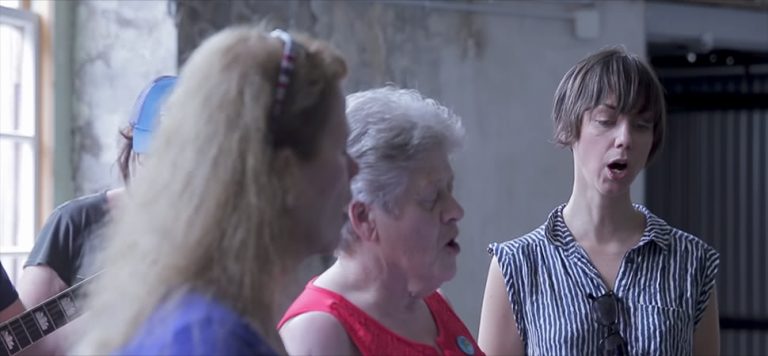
(316,333)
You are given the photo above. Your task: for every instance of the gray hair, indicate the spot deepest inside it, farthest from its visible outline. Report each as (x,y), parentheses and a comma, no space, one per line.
(390,129)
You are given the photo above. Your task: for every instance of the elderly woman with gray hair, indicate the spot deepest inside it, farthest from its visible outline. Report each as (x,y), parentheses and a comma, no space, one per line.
(399,241)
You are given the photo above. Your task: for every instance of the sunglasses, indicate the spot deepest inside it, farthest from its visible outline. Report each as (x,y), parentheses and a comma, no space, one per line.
(605,308)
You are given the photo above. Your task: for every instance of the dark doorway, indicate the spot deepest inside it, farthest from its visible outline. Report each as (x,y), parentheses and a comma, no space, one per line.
(711,176)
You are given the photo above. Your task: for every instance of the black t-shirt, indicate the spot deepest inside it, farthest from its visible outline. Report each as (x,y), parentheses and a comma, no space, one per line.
(70,237)
(8,294)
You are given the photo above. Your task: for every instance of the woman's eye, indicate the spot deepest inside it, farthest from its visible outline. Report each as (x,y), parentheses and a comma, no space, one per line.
(430,201)
(644,125)
(604,122)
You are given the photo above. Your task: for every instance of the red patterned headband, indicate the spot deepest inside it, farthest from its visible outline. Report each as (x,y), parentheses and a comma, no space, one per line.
(286,69)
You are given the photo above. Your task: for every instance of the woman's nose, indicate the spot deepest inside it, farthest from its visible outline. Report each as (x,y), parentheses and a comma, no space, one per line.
(624,134)
(454,212)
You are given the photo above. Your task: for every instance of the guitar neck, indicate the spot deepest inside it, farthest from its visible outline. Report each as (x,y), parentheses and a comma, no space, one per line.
(29,327)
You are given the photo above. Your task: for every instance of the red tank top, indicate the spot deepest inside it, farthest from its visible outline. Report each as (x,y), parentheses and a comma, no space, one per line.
(372,338)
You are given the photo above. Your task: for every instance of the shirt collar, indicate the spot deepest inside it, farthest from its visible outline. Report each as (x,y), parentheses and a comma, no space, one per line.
(656,229)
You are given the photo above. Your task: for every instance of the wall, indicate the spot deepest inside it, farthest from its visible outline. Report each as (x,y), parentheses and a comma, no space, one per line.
(63,155)
(502,83)
(702,28)
(513,174)
(119,47)
(496,64)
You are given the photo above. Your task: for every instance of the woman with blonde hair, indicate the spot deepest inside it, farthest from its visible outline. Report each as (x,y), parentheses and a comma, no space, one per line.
(249,177)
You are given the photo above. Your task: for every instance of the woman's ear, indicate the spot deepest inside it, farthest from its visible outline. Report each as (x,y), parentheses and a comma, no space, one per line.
(362,221)
(286,166)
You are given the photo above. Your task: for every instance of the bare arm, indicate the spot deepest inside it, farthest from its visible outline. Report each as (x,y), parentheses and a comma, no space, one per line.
(38,284)
(498,330)
(316,333)
(706,337)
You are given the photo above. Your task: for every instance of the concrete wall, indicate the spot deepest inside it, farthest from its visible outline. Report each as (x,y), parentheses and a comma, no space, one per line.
(496,64)
(119,47)
(511,176)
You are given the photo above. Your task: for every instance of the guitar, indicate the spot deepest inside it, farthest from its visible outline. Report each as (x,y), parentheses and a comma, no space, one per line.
(32,325)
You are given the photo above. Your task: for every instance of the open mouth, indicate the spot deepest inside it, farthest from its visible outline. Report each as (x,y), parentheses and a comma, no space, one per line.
(618,166)
(453,244)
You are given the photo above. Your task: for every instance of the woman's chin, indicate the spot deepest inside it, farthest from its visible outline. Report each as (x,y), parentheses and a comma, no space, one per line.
(447,272)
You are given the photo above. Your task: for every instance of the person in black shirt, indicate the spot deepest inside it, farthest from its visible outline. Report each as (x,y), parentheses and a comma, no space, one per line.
(65,247)
(10,305)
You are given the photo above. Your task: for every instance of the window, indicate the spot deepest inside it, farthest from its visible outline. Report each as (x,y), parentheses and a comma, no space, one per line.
(19,139)
(13,4)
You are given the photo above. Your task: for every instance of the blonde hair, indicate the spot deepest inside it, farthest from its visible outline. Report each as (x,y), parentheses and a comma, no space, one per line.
(207,213)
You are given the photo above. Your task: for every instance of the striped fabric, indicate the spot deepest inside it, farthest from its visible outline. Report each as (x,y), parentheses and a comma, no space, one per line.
(663,286)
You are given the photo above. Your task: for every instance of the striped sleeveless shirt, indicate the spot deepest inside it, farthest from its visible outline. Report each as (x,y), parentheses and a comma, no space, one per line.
(663,286)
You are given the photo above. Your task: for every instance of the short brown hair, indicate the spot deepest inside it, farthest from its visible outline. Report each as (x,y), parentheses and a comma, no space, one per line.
(610,71)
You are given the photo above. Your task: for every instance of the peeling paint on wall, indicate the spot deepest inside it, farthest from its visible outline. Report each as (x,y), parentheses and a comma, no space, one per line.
(120,45)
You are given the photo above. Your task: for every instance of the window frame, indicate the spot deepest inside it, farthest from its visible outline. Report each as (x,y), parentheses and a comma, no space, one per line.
(30,22)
